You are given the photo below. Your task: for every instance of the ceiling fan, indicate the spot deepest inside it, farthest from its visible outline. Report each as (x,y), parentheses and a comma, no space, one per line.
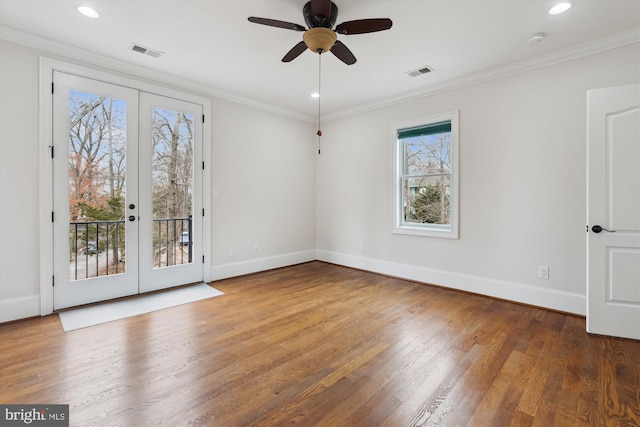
(320,16)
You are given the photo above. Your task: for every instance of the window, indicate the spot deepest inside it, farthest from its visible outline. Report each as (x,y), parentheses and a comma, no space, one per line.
(425,196)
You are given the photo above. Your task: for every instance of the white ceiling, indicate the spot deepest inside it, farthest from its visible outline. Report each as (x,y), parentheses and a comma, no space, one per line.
(212,43)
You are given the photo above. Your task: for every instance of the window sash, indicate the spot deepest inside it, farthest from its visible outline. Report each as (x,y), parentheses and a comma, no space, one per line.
(429,175)
(435,211)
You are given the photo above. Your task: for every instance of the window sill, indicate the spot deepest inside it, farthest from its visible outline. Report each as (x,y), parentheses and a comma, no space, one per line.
(438,232)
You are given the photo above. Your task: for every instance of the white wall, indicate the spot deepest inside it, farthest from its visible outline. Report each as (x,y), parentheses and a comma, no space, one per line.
(263,170)
(19,272)
(264,173)
(522,159)
(522,185)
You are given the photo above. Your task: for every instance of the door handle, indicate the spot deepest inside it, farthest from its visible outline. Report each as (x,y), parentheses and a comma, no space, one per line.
(597,229)
(132,217)
(132,206)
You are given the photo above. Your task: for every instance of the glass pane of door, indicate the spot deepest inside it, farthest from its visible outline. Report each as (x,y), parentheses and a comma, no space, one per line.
(97,176)
(172,187)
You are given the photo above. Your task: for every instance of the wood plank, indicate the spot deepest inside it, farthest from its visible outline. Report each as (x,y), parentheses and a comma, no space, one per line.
(319,344)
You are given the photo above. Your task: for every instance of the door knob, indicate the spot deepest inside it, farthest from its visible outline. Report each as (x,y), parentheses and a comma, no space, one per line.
(132,217)
(597,229)
(132,206)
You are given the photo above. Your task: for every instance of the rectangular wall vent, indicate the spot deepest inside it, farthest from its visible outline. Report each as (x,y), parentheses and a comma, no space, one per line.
(145,50)
(420,71)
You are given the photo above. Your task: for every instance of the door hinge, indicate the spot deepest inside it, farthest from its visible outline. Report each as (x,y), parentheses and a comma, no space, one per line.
(53,281)
(203,118)
(52,88)
(202,165)
(203,259)
(52,148)
(587,228)
(52,216)
(202,212)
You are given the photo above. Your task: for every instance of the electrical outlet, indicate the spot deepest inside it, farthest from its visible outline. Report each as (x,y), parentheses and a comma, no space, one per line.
(543,272)
(232,251)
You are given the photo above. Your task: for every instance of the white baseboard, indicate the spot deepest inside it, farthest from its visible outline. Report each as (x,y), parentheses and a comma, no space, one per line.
(224,271)
(526,294)
(19,308)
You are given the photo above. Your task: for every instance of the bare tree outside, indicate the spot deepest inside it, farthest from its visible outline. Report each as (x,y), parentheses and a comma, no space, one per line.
(172,183)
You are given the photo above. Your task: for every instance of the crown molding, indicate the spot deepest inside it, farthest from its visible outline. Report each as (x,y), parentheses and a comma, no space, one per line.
(93,60)
(556,57)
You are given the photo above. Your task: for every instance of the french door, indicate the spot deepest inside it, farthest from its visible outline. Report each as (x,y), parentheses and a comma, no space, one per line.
(127,196)
(171,207)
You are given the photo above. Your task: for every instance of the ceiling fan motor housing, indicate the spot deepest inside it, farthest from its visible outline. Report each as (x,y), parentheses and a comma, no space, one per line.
(314,21)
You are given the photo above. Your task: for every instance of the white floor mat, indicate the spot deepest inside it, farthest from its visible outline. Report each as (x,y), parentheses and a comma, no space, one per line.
(128,307)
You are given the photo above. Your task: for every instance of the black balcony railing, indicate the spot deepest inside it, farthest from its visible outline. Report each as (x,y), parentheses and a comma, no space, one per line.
(172,241)
(98,248)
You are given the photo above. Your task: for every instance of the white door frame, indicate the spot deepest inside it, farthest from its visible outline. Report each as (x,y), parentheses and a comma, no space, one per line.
(45,123)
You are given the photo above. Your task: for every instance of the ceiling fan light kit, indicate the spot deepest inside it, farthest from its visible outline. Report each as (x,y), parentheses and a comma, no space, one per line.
(319,39)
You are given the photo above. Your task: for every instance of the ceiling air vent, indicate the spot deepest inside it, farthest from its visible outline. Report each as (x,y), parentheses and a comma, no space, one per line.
(145,50)
(420,71)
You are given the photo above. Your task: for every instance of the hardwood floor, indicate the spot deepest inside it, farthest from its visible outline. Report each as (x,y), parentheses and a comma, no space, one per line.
(318,344)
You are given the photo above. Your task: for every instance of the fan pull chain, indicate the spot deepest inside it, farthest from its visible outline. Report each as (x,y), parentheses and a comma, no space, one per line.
(319,133)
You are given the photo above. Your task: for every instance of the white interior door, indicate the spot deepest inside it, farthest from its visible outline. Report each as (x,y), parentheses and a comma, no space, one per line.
(127,191)
(95,180)
(613,211)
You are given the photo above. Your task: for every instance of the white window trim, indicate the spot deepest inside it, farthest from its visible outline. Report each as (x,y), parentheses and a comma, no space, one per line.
(430,230)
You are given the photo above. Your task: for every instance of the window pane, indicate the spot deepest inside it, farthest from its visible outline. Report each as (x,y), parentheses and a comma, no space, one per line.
(427,155)
(97,148)
(427,200)
(172,176)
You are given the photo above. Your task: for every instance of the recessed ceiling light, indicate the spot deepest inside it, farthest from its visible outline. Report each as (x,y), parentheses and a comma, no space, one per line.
(88,12)
(315,95)
(560,8)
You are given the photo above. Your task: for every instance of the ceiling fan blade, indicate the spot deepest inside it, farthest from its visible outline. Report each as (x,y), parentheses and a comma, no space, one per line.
(294,52)
(343,53)
(321,8)
(362,26)
(276,23)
